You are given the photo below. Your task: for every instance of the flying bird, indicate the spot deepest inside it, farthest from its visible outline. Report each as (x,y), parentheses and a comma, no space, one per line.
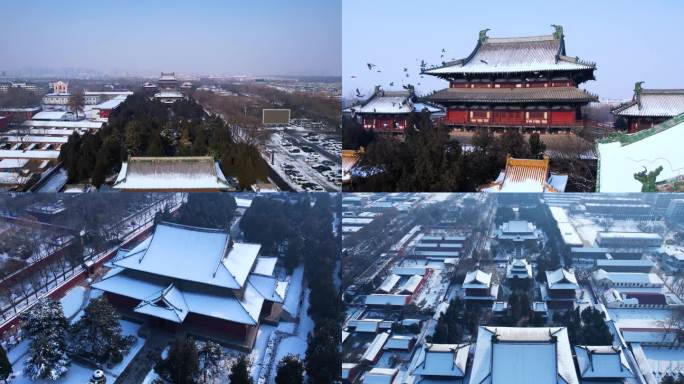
(443,50)
(370,65)
(353,77)
(423,64)
(405,69)
(358,93)
(484,61)
(392,84)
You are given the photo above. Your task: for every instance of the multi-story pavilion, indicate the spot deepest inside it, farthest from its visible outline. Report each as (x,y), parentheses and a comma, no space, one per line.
(525,83)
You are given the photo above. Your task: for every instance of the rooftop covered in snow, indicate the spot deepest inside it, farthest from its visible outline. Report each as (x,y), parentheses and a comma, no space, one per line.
(523,355)
(516,55)
(200,255)
(172,173)
(653,103)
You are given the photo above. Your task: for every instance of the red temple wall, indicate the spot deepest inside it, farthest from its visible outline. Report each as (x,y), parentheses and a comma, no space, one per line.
(384,123)
(563,117)
(635,124)
(235,330)
(457,116)
(536,117)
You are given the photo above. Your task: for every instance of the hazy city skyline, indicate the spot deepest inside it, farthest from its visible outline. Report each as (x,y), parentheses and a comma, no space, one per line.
(265,37)
(629,41)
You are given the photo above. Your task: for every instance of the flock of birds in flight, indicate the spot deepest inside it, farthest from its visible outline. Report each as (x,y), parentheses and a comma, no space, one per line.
(374,68)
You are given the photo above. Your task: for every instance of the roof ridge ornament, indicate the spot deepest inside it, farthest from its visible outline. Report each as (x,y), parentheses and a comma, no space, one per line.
(558,33)
(637,92)
(483,35)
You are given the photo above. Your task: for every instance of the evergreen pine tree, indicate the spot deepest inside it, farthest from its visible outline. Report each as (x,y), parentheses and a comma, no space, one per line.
(290,371)
(46,327)
(182,362)
(97,334)
(5,366)
(239,372)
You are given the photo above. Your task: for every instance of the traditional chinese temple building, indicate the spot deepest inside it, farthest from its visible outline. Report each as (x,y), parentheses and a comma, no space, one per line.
(388,112)
(526,83)
(196,279)
(527,175)
(164,174)
(649,107)
(560,290)
(168,88)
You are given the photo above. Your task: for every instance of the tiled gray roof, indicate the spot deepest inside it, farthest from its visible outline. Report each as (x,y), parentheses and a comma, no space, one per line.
(520,54)
(654,102)
(514,95)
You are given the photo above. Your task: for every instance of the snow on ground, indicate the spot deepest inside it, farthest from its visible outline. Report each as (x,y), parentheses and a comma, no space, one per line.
(295,344)
(77,373)
(262,350)
(433,291)
(294,291)
(73,301)
(127,328)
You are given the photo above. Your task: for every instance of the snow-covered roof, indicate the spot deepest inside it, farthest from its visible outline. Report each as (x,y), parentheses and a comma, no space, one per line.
(623,155)
(367,325)
(109,104)
(602,362)
(523,355)
(34,139)
(514,54)
(380,376)
(477,279)
(269,287)
(654,103)
(628,235)
(13,163)
(389,283)
(171,173)
(85,124)
(517,226)
(561,279)
(49,115)
(179,299)
(379,299)
(386,102)
(168,304)
(194,254)
(399,342)
(265,265)
(28,154)
(375,347)
(628,278)
(403,271)
(444,360)
(411,284)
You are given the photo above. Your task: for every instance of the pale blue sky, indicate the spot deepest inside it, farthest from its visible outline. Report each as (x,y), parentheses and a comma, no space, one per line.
(260,37)
(629,40)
